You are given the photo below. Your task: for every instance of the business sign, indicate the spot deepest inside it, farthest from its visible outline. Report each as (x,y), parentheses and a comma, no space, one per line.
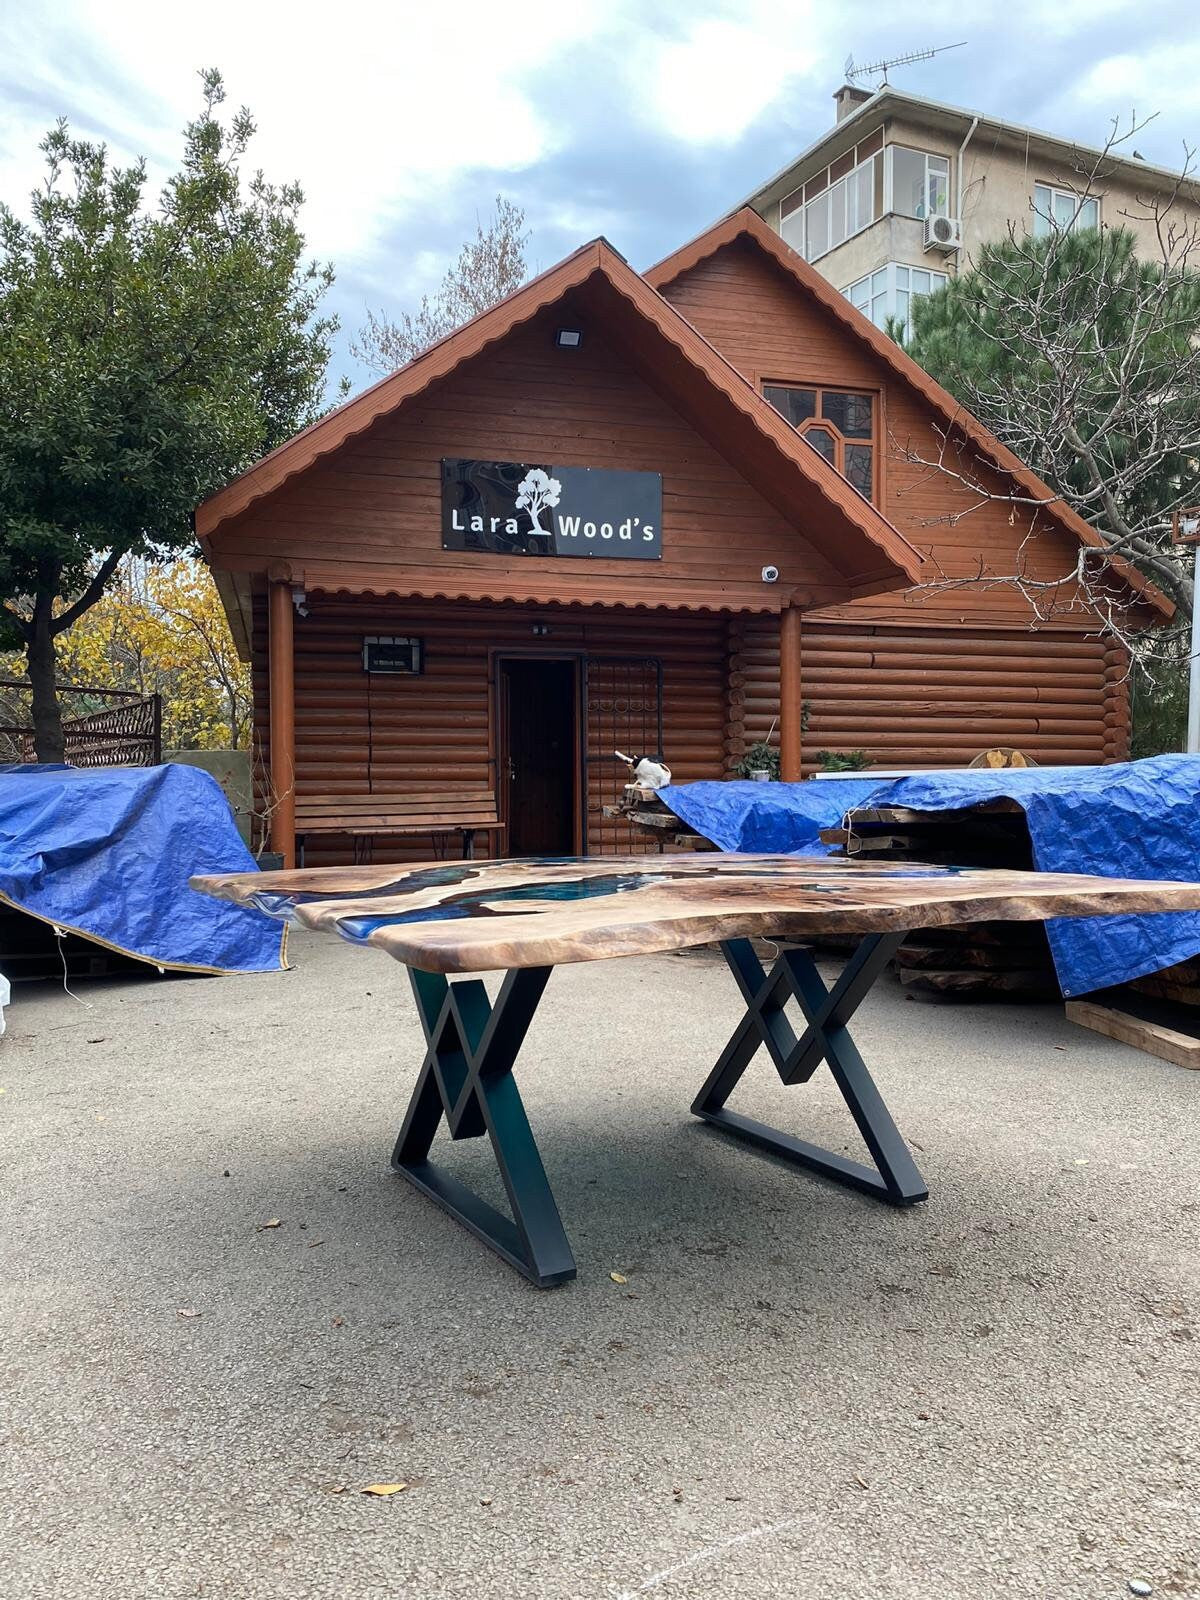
(514,509)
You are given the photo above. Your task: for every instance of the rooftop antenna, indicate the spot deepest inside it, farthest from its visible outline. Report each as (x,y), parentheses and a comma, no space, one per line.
(872,67)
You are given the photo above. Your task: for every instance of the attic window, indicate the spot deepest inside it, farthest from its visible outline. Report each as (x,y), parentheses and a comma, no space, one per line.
(839,424)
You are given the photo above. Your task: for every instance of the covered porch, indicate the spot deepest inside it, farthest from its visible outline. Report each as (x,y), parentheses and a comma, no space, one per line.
(523,703)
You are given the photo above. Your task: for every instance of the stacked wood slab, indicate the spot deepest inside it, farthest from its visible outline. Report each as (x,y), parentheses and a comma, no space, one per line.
(642,809)
(986,960)
(1159,1013)
(30,948)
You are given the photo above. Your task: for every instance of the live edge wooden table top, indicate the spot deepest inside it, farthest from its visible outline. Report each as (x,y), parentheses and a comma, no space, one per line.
(525,917)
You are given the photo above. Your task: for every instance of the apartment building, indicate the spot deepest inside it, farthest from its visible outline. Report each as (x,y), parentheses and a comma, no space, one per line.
(901,192)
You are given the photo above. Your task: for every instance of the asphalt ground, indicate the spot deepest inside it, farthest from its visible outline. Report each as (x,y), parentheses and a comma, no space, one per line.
(797,1391)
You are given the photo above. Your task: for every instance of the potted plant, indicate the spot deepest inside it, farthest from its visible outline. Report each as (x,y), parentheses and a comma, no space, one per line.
(760,763)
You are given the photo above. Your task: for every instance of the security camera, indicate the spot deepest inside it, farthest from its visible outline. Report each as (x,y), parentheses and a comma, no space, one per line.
(770,574)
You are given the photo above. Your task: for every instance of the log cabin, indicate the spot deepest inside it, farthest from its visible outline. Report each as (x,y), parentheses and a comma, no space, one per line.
(653,512)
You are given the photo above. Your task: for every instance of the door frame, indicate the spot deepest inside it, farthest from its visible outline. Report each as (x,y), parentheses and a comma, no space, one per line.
(498,727)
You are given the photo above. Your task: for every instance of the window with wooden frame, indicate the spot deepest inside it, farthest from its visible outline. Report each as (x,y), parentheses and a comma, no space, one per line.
(839,424)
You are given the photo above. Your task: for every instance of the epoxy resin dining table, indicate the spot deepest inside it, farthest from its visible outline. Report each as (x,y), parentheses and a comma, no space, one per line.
(525,917)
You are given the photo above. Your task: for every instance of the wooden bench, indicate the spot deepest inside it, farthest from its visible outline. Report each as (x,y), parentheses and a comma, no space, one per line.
(363,816)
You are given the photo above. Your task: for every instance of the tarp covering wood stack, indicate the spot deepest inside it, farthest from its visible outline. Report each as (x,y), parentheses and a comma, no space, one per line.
(1137,819)
(776,818)
(107,854)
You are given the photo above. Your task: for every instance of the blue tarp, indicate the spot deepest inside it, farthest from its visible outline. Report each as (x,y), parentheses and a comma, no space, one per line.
(1138,819)
(775,818)
(108,853)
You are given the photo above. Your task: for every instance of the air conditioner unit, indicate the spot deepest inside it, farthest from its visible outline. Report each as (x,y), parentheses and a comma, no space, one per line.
(943,234)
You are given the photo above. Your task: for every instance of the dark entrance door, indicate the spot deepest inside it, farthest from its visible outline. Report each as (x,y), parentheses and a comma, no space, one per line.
(539,767)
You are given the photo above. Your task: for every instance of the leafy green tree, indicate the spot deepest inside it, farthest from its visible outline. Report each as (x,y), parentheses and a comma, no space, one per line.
(1085,361)
(147,355)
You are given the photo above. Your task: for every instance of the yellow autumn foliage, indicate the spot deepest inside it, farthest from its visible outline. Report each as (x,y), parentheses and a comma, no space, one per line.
(160,629)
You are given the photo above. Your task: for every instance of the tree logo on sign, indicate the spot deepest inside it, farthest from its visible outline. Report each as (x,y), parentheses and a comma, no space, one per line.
(536,491)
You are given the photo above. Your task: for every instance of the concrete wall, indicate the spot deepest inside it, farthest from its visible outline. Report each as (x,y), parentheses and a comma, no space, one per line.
(231,769)
(998,184)
(998,188)
(892,238)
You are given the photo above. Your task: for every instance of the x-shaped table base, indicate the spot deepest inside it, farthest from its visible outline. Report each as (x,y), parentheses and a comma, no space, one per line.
(467,1078)
(827,1038)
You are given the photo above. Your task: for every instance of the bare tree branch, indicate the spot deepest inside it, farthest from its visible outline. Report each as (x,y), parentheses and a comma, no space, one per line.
(1080,351)
(489,267)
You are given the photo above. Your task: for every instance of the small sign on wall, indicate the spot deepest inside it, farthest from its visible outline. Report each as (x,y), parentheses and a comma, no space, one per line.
(513,508)
(394,655)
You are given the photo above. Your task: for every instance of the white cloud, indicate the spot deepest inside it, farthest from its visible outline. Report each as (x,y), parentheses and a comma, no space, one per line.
(372,105)
(377,108)
(1151,100)
(597,115)
(710,85)
(1153,81)
(1065,17)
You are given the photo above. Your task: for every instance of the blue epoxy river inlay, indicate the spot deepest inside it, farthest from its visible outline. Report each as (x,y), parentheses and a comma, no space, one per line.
(500,901)
(357,929)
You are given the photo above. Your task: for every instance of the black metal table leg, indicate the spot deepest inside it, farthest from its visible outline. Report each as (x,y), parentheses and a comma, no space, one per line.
(895,1177)
(467,1078)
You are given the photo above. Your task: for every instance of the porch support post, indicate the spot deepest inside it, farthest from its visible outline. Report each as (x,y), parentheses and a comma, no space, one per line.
(791,699)
(283,724)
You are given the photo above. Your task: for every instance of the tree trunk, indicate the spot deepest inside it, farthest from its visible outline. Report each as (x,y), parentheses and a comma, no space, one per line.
(48,740)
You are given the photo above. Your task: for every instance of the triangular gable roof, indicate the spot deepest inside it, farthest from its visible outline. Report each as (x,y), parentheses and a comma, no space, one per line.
(747,224)
(850,532)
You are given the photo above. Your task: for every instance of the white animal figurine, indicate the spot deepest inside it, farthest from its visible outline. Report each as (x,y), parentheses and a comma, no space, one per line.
(650,774)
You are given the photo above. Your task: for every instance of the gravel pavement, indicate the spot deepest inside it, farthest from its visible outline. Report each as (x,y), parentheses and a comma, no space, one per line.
(797,1392)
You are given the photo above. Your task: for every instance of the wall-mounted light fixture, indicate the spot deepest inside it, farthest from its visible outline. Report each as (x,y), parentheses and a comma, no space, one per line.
(541,630)
(569,338)
(299,597)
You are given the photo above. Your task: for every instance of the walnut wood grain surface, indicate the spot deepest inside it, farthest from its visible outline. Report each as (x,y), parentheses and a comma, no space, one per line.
(480,916)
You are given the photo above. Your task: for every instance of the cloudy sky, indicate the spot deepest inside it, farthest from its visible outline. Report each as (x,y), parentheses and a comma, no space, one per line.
(643,120)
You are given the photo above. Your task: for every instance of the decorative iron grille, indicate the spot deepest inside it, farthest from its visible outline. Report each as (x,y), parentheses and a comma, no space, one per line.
(127,732)
(623,700)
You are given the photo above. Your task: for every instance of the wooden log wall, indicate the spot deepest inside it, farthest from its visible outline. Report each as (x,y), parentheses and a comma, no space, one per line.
(933,697)
(360,733)
(914,697)
(736,741)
